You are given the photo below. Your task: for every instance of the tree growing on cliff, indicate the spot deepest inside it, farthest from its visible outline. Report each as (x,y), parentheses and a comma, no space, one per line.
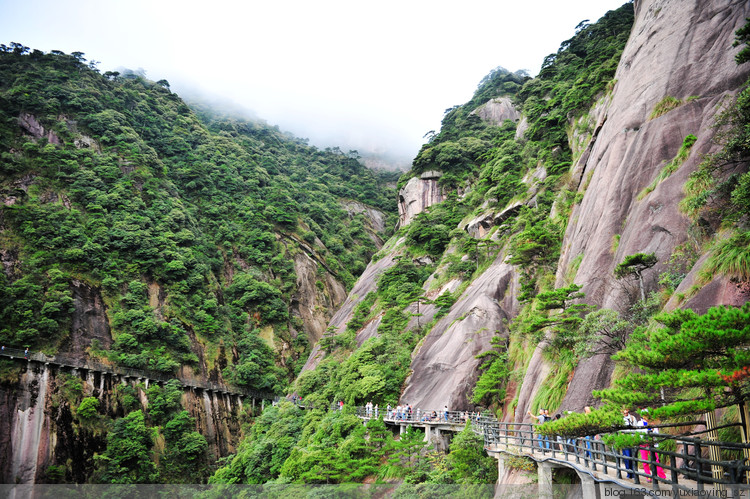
(495,372)
(686,363)
(557,316)
(128,455)
(634,266)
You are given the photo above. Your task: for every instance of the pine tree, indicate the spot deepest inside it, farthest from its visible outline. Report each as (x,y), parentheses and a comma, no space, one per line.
(686,363)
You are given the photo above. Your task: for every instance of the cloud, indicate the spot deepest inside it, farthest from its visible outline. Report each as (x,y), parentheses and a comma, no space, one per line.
(365,75)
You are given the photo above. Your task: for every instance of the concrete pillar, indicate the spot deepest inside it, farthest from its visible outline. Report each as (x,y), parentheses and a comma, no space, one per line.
(427,431)
(500,467)
(588,485)
(544,471)
(402,429)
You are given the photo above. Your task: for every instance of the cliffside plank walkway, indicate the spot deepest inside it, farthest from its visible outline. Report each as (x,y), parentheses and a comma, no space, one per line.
(696,467)
(126,373)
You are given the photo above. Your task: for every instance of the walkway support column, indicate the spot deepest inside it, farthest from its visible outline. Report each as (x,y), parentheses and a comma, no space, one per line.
(544,471)
(427,431)
(588,485)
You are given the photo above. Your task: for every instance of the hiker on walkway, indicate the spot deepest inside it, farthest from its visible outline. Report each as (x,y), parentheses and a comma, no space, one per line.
(630,421)
(543,440)
(645,451)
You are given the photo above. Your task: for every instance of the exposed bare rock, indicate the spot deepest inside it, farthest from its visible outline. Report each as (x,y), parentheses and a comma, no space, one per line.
(444,370)
(497,110)
(311,304)
(690,43)
(417,195)
(521,128)
(376,219)
(367,282)
(89,320)
(721,290)
(481,225)
(29,123)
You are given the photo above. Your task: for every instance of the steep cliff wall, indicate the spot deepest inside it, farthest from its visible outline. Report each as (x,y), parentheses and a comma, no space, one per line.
(677,52)
(677,49)
(41,430)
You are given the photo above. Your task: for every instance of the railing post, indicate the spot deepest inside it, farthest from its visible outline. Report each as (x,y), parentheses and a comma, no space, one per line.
(698,464)
(652,466)
(634,465)
(674,476)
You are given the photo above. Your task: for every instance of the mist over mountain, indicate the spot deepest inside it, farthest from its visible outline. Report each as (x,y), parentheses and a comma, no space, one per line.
(196,291)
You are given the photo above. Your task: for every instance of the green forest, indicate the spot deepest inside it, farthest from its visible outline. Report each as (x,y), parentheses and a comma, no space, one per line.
(189,225)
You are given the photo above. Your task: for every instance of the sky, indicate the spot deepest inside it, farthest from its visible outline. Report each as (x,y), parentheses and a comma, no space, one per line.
(374,76)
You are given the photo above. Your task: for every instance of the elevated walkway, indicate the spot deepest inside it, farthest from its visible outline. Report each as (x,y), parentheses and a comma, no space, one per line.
(694,467)
(127,374)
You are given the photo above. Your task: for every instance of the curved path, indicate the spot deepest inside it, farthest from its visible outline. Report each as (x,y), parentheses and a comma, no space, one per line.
(693,467)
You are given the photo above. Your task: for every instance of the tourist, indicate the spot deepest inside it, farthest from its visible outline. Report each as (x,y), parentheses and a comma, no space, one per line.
(543,441)
(645,451)
(629,421)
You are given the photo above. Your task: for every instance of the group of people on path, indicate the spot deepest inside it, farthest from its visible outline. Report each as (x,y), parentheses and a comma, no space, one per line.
(371,411)
(405,412)
(638,422)
(641,423)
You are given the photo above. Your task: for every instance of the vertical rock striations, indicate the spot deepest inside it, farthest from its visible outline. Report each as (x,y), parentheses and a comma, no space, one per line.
(677,50)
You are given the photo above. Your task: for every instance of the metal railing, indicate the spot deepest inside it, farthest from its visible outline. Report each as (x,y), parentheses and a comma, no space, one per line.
(417,416)
(129,372)
(689,467)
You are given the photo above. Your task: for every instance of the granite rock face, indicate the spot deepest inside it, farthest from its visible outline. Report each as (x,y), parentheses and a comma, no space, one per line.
(498,110)
(367,282)
(417,195)
(676,49)
(444,370)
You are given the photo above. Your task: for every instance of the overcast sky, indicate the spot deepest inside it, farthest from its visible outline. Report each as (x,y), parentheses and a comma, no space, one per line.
(366,75)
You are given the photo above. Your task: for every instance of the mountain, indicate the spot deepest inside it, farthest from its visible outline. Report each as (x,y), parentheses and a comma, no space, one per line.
(140,233)
(548,221)
(534,239)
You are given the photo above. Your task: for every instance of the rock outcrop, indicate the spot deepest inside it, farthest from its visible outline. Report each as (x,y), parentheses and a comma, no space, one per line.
(444,370)
(681,50)
(676,49)
(496,111)
(417,195)
(367,282)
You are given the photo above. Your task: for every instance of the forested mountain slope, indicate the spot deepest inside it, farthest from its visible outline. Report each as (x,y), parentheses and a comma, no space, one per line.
(547,222)
(139,233)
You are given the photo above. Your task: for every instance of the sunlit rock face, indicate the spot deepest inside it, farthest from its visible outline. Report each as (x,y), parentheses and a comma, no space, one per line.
(417,195)
(444,370)
(676,49)
(498,110)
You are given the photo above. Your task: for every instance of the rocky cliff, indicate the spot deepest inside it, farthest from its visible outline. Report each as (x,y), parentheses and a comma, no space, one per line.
(679,53)
(676,49)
